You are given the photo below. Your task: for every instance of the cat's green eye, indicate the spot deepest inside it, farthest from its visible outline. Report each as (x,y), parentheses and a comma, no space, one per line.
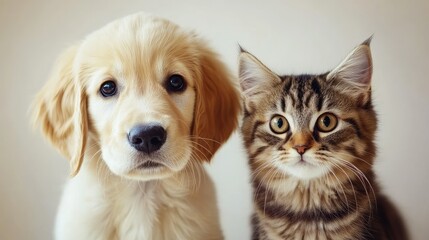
(327,122)
(279,124)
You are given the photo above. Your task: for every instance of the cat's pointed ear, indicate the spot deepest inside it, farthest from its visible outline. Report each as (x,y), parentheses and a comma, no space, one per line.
(355,71)
(255,77)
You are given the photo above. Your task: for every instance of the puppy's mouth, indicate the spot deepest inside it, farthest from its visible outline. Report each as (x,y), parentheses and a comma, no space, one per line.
(150,165)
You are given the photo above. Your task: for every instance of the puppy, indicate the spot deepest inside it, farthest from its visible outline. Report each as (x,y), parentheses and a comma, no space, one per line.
(137,107)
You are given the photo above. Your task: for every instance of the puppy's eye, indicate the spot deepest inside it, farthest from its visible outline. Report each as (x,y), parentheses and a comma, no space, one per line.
(108,89)
(176,83)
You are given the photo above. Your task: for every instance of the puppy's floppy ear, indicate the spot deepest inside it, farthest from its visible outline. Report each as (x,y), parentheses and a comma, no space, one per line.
(60,110)
(217,105)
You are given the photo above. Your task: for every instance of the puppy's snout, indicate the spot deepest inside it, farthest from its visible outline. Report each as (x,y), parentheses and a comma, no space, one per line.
(147,138)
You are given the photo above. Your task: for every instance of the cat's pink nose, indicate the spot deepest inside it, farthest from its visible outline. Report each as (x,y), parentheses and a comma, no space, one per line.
(301,148)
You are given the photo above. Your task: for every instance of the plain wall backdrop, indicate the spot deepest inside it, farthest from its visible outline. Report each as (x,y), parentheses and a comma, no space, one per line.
(289,36)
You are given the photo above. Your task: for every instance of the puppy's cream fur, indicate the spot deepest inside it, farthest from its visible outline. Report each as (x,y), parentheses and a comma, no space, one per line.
(110,195)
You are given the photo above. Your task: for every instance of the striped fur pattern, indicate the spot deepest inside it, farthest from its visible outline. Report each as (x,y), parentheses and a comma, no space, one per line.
(310,144)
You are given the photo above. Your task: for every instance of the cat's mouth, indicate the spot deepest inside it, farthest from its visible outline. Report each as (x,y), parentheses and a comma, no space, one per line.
(304,162)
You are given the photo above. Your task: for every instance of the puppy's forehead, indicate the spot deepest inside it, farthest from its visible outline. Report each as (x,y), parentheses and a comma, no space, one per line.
(141,38)
(141,47)
(134,25)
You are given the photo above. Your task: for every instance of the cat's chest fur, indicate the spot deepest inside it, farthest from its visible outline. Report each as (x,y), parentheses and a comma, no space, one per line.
(304,194)
(294,209)
(290,196)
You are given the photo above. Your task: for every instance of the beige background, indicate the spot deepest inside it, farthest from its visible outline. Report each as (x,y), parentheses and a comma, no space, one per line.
(289,36)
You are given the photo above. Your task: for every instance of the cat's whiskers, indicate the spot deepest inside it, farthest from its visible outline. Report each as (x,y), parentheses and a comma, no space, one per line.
(354,157)
(324,158)
(266,182)
(255,174)
(328,178)
(361,176)
(261,168)
(357,171)
(341,163)
(334,164)
(264,165)
(269,184)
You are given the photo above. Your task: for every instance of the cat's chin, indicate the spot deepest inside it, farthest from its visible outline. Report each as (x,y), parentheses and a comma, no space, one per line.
(304,170)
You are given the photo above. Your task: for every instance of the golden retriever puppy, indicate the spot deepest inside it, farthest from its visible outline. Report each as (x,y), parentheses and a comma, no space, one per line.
(137,107)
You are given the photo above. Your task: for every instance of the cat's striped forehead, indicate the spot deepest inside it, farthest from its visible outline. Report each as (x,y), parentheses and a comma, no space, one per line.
(304,91)
(307,93)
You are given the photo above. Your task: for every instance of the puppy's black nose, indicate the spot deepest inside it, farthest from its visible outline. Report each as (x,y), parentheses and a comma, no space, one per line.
(147,138)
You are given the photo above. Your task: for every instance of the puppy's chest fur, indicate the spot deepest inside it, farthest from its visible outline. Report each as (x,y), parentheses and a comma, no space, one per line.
(127,210)
(120,211)
(135,209)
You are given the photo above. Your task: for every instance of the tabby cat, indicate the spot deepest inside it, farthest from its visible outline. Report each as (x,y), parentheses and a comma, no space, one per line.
(310,143)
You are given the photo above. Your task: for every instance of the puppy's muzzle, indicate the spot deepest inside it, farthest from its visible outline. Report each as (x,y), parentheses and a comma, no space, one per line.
(147,138)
